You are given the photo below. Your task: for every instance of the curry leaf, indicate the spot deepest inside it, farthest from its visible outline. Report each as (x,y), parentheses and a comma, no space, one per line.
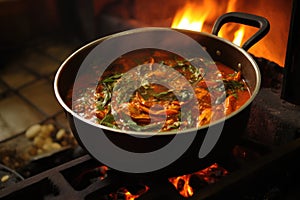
(112,78)
(162,94)
(108,119)
(233,85)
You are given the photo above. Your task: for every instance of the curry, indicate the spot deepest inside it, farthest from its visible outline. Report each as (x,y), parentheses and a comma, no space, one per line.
(145,90)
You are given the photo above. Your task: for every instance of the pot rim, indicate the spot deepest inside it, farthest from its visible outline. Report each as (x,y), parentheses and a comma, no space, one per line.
(144,29)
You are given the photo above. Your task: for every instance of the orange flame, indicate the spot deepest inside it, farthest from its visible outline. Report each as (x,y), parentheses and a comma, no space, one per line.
(238,36)
(181,183)
(129,196)
(193,17)
(189,18)
(126,194)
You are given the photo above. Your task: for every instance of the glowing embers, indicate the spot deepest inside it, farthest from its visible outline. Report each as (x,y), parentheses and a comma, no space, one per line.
(103,183)
(190,183)
(130,193)
(186,185)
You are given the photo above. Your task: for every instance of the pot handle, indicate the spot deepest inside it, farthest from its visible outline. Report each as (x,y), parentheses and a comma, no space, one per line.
(246,19)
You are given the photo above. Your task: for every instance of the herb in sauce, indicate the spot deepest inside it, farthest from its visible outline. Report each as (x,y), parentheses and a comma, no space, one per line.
(153,106)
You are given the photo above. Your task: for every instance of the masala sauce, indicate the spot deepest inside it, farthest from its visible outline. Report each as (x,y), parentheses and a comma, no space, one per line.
(219,91)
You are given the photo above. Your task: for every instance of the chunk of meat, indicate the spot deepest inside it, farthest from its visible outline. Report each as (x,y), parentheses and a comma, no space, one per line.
(236,77)
(205,116)
(230,104)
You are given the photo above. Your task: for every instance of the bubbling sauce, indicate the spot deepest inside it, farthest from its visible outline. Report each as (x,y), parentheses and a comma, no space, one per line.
(146,89)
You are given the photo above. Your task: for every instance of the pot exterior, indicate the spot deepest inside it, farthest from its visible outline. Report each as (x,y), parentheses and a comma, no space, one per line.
(188,162)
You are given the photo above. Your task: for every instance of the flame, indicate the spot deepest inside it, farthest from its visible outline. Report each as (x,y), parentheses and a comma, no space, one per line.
(210,175)
(129,196)
(126,194)
(190,17)
(185,190)
(277,12)
(238,36)
(193,17)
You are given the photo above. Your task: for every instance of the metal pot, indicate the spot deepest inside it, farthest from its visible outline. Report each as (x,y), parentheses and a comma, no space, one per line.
(133,151)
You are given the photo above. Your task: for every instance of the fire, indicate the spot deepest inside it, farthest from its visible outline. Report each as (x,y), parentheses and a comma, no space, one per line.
(209,175)
(125,194)
(238,36)
(200,15)
(129,196)
(182,185)
(189,18)
(193,16)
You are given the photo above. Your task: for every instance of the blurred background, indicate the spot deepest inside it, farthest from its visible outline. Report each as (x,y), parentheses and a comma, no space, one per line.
(36,36)
(25,20)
